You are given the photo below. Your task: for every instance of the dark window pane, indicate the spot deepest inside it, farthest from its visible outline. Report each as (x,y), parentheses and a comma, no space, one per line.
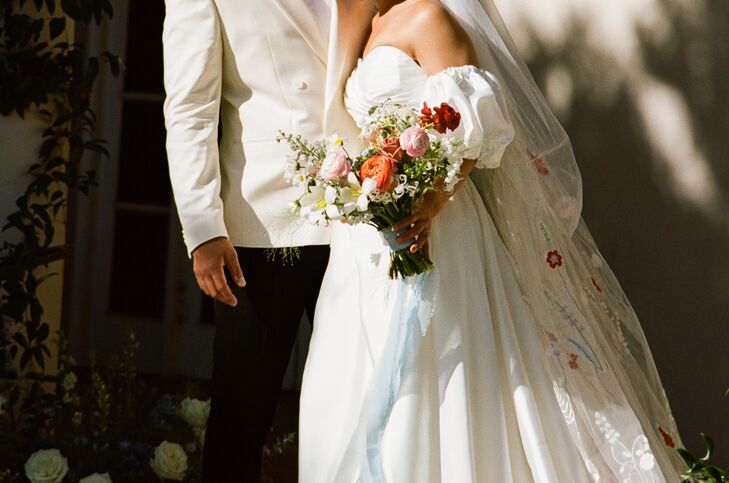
(139,264)
(144,47)
(143,172)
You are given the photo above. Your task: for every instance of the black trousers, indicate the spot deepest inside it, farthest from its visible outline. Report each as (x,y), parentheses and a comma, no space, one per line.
(253,343)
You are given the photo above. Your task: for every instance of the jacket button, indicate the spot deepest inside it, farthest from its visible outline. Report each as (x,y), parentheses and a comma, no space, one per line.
(301,85)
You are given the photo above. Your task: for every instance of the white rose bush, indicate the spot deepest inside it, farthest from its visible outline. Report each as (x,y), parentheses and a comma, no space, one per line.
(104,424)
(46,466)
(169,461)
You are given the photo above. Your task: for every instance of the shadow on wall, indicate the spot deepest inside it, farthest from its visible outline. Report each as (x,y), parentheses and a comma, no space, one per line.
(651,135)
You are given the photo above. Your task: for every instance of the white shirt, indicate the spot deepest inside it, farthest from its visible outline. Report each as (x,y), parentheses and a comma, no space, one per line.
(323,13)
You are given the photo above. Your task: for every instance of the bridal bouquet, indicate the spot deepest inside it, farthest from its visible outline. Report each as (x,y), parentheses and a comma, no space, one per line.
(409,153)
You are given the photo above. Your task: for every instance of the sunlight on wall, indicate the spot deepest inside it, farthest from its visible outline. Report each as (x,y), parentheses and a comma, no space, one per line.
(612,31)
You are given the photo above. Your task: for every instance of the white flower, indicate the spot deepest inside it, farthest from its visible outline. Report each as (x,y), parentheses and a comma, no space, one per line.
(97,478)
(46,466)
(330,195)
(356,196)
(195,412)
(69,382)
(169,461)
(315,203)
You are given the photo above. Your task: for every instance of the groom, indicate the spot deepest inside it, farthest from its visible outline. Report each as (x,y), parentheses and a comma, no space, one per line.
(251,68)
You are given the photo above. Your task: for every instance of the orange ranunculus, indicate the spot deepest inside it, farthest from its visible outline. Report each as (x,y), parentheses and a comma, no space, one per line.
(392,148)
(381,169)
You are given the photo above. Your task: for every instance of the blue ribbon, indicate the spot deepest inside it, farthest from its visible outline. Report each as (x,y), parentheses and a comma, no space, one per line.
(408,324)
(390,238)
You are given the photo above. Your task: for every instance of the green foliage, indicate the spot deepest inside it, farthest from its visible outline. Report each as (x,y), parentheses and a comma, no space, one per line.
(701,469)
(38,72)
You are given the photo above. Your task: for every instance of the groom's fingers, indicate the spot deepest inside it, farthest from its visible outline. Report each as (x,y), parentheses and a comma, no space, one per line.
(222,290)
(203,285)
(231,261)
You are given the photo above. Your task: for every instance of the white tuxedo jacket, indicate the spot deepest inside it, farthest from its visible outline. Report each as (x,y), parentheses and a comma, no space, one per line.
(257,67)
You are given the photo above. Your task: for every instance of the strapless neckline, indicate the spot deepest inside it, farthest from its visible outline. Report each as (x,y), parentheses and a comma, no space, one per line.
(391,48)
(385,73)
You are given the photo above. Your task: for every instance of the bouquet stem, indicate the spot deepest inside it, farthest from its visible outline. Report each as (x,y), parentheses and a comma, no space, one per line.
(404,263)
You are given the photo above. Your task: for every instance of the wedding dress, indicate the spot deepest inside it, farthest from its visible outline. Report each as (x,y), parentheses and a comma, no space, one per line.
(492,394)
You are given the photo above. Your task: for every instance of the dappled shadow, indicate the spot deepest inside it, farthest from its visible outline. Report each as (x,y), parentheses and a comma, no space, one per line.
(651,135)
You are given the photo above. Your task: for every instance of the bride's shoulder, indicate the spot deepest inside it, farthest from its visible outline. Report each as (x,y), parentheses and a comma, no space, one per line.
(427,12)
(436,37)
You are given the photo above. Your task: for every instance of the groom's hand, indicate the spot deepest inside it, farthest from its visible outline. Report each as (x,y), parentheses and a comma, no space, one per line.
(209,262)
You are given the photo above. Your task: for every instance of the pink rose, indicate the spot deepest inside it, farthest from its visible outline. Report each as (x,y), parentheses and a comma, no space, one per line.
(335,165)
(414,141)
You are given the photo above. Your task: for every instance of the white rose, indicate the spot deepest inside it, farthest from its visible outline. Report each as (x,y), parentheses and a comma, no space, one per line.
(195,412)
(46,466)
(169,461)
(97,478)
(69,382)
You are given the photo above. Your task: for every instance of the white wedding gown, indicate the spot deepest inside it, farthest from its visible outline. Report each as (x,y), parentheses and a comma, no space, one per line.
(479,406)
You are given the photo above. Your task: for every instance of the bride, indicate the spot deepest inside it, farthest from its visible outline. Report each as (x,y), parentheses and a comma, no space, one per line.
(521,360)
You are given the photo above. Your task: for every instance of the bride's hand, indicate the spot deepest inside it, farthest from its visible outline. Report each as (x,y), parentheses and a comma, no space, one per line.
(420,220)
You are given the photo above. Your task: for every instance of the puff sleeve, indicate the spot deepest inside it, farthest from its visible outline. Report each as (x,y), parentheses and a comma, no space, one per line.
(485,126)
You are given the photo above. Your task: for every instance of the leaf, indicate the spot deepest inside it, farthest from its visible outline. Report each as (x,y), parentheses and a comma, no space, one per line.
(71,8)
(58,26)
(43,332)
(21,340)
(108,8)
(38,356)
(688,458)
(25,359)
(709,447)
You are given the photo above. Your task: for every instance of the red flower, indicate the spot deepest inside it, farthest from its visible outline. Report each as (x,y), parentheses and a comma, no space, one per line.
(443,119)
(539,164)
(427,115)
(573,362)
(667,438)
(597,286)
(554,259)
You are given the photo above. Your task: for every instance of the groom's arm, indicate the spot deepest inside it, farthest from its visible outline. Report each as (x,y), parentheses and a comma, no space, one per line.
(193,70)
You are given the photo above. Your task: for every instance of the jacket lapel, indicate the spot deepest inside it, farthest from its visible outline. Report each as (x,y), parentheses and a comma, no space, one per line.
(305,21)
(350,27)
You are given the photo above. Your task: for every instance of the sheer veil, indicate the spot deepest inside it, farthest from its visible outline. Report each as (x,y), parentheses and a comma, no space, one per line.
(615,406)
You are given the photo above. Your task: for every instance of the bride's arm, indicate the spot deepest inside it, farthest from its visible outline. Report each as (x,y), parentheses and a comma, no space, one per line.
(438,42)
